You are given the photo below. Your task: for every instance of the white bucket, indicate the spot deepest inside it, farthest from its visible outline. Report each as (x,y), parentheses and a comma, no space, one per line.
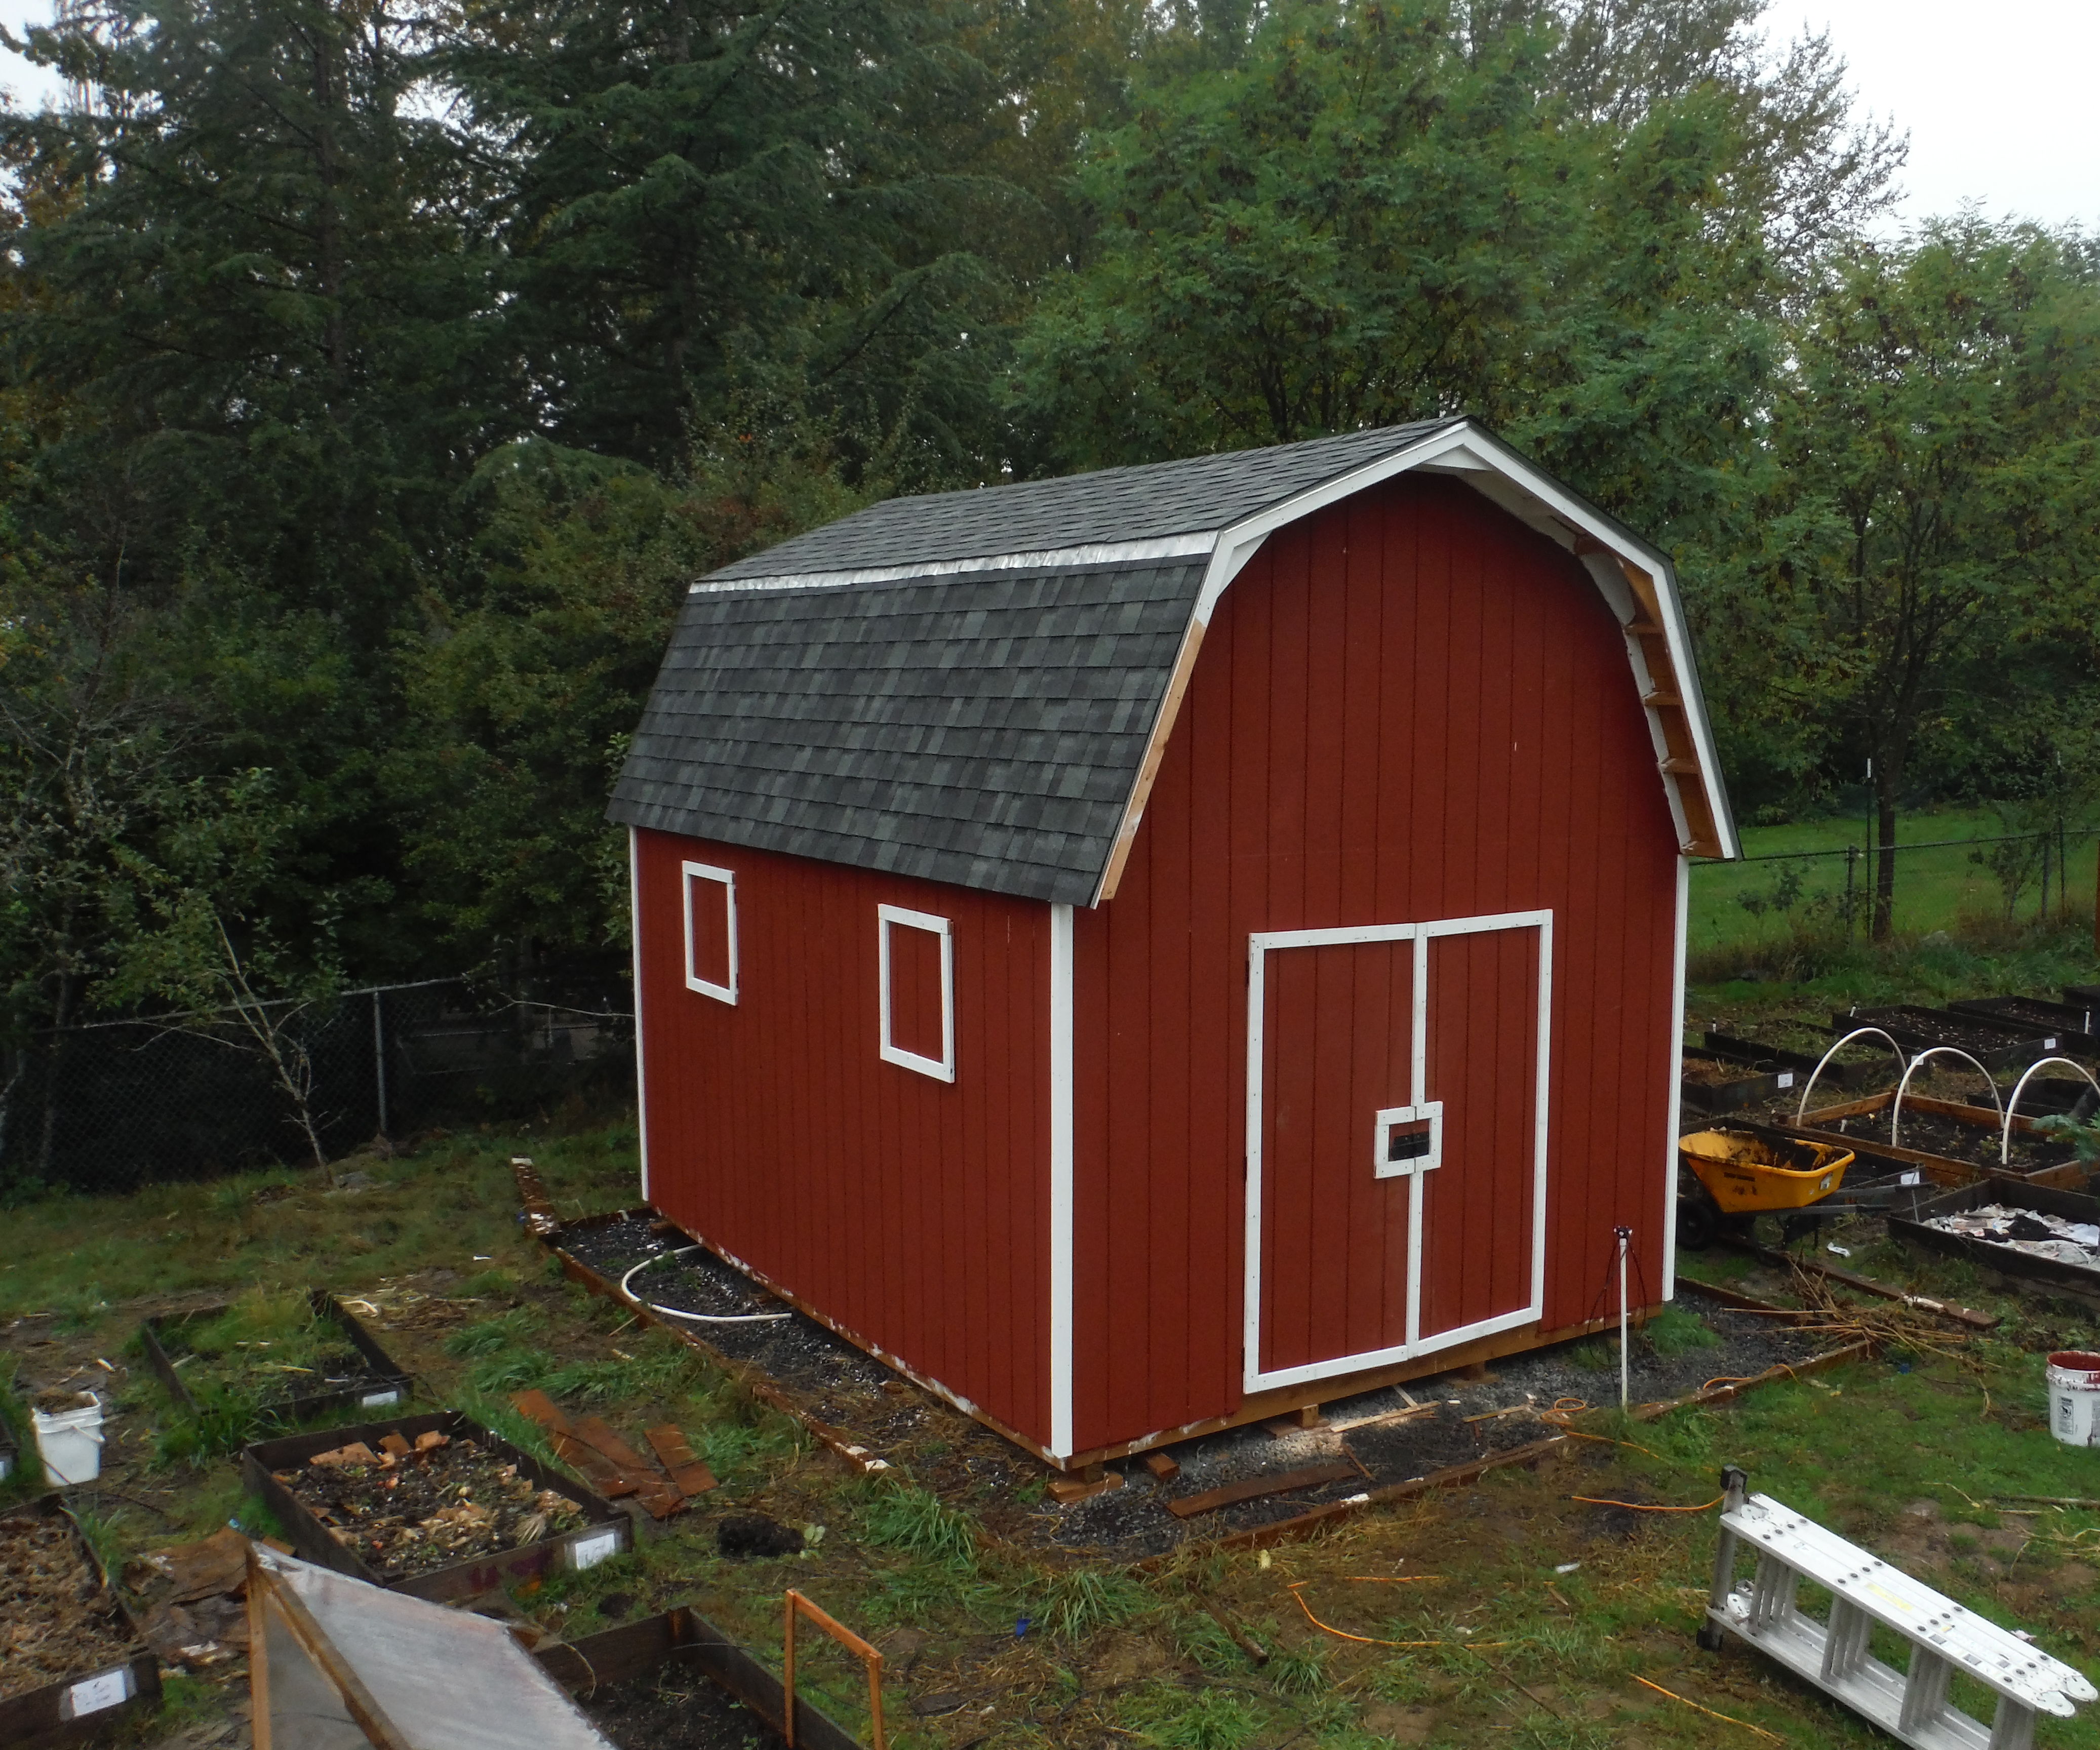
(70,1443)
(2074,1397)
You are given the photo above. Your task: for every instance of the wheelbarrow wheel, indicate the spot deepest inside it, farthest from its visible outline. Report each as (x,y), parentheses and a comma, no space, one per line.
(1698,1219)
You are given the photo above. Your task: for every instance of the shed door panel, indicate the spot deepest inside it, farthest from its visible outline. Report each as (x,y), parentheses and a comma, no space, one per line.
(1395,1141)
(1477,1211)
(1336,1047)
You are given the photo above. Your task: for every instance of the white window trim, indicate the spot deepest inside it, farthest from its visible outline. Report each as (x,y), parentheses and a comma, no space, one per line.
(942,1068)
(1397,1118)
(1254,1378)
(726,878)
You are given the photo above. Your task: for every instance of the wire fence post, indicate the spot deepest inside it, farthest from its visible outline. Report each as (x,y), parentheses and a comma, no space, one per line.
(379,1054)
(1851,865)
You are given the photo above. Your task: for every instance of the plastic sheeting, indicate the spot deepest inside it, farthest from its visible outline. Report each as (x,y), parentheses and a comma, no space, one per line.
(430,1679)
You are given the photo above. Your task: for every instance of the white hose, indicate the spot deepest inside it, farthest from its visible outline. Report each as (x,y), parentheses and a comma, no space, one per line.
(679,1312)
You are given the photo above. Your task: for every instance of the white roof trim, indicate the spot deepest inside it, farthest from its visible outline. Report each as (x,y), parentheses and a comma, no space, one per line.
(1101,552)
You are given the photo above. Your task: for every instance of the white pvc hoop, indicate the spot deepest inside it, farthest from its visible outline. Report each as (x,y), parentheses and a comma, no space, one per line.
(2019,1087)
(1857,1033)
(1896,1113)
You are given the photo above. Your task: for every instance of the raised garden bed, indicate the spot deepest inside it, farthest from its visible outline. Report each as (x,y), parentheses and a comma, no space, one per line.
(675,1682)
(455,1521)
(288,1358)
(2060,1026)
(1857,1066)
(71,1658)
(1712,1082)
(1913,1025)
(1953,1143)
(2062,1273)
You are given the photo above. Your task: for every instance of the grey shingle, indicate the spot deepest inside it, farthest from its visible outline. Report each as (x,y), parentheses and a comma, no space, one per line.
(932,727)
(1147,503)
(982,726)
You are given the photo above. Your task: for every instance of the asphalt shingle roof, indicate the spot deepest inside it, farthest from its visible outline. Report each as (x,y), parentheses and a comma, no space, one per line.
(1145,503)
(985,726)
(983,729)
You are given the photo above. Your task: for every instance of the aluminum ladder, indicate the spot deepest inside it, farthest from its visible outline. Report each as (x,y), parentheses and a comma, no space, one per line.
(1912,1706)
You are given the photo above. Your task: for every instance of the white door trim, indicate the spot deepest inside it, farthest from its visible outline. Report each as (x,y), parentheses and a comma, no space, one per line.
(1260,946)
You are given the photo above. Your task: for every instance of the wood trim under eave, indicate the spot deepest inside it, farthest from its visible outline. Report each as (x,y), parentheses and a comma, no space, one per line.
(1666,705)
(1162,732)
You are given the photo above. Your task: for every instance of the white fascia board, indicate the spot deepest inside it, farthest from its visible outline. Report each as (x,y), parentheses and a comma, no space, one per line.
(1101,552)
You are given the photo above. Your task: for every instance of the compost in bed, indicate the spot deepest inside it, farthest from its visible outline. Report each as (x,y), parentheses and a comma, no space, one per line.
(57,1619)
(677,1706)
(1448,1420)
(445,1500)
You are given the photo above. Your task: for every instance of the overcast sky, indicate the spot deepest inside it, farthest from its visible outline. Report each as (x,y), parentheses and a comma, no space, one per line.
(2000,111)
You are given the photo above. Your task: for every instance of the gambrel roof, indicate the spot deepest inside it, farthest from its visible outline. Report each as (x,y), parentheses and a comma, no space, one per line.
(966,686)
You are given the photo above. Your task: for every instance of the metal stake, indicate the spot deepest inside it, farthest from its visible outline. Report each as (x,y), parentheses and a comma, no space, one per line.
(1626,1237)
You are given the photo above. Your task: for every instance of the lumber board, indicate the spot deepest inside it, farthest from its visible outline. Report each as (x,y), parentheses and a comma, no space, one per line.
(676,1455)
(1252,1488)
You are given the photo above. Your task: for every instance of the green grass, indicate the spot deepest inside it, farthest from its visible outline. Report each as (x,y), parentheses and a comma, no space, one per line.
(1111,1656)
(456,1205)
(1766,907)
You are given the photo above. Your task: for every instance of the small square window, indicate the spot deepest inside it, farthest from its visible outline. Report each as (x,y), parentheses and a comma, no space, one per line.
(711,931)
(917,991)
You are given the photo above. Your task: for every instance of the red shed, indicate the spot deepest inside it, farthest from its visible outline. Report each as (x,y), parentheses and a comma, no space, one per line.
(1148,950)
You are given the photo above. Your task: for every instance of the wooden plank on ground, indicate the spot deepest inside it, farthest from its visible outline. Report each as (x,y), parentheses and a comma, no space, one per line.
(656,1492)
(1252,1488)
(1163,1465)
(598,1470)
(673,1451)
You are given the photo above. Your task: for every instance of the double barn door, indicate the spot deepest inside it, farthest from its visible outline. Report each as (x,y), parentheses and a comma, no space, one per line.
(1395,1141)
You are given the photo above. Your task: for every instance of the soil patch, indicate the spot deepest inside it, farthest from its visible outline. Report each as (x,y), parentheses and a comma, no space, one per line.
(57,1620)
(1956,1140)
(1713,1071)
(675,1707)
(409,1514)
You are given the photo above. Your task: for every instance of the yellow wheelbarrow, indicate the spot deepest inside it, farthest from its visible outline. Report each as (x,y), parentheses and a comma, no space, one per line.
(1735,1175)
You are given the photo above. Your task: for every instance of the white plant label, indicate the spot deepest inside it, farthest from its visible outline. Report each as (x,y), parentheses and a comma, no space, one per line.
(588,1552)
(1913,1177)
(106,1689)
(1786,1078)
(379,1399)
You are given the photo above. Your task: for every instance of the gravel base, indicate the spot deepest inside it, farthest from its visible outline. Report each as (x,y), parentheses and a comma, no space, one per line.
(840,1384)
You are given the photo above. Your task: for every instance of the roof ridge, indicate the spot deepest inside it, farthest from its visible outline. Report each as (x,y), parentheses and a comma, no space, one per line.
(1134,502)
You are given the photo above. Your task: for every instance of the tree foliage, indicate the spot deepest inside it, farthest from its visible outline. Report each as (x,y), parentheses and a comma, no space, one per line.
(374,378)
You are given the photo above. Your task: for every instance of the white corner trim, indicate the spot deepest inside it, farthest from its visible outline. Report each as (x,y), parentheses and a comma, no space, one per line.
(888,917)
(1100,553)
(1062,1224)
(1255,1377)
(641,1036)
(1676,1080)
(690,876)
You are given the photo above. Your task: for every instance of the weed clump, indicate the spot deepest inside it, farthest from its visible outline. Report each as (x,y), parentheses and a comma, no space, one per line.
(1678,1330)
(903,1516)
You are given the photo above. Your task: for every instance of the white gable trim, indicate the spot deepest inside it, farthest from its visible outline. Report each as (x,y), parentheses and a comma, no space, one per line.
(1485,463)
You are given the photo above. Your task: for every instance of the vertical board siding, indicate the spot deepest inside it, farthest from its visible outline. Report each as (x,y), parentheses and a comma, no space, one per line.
(1337,1048)
(1476,1209)
(1407,707)
(911,1212)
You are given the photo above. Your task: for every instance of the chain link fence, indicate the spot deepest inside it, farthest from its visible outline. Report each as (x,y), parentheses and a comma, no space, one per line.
(1987,891)
(115,1104)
